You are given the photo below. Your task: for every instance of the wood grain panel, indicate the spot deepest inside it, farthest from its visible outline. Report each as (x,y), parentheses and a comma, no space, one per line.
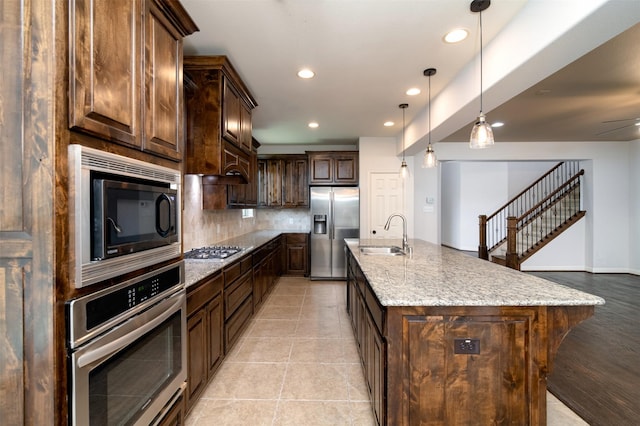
(105,71)
(163,98)
(26,215)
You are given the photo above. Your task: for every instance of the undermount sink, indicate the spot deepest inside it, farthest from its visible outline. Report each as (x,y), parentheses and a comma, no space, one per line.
(382,250)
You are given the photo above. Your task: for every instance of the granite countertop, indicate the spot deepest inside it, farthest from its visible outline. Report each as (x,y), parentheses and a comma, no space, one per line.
(439,276)
(197,269)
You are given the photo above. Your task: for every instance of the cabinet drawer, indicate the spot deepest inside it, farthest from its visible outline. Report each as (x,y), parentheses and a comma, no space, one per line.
(374,308)
(236,293)
(231,273)
(236,269)
(246,264)
(234,326)
(296,238)
(199,294)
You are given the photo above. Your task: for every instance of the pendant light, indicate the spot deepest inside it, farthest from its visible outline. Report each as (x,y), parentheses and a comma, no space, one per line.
(481,134)
(429,161)
(404,169)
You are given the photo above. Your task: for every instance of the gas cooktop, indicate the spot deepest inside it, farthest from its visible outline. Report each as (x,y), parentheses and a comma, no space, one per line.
(213,252)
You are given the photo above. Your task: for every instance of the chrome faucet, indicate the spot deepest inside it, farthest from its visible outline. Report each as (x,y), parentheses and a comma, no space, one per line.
(405,242)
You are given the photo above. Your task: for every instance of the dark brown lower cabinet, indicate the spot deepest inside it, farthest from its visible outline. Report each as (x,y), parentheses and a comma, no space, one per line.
(296,254)
(267,267)
(204,334)
(368,338)
(219,308)
(238,300)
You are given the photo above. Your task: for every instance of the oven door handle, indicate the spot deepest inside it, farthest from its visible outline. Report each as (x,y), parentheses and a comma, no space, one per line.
(111,347)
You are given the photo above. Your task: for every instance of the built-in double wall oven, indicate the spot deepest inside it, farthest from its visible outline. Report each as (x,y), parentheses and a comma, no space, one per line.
(127,349)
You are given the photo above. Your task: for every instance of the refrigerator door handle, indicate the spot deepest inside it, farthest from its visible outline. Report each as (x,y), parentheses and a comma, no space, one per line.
(331,215)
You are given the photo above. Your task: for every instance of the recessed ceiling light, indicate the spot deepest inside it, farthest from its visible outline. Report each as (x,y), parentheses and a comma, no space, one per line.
(306,73)
(313,125)
(456,36)
(497,124)
(388,123)
(413,91)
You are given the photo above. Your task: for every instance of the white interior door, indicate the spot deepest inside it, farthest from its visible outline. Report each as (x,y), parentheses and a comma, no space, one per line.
(386,195)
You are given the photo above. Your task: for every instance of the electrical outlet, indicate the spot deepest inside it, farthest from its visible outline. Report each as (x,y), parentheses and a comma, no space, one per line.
(466,346)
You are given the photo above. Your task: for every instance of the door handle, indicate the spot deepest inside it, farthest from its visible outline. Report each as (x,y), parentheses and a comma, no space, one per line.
(114,346)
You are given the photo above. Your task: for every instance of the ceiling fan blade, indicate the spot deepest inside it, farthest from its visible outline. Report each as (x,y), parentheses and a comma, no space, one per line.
(614,130)
(623,119)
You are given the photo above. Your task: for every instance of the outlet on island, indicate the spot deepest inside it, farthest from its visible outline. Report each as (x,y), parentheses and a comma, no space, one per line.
(466,346)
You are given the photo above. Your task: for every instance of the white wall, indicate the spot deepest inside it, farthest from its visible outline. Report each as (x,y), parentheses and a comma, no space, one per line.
(634,207)
(379,155)
(524,173)
(427,202)
(450,210)
(565,253)
(608,197)
(470,189)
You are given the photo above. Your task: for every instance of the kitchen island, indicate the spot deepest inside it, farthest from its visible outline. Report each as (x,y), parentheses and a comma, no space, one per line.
(449,339)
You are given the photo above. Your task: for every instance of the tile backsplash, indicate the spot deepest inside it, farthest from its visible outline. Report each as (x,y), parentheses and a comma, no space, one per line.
(208,227)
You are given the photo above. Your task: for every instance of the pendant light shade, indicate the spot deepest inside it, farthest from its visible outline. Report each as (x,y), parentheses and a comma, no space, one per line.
(429,161)
(404,169)
(481,134)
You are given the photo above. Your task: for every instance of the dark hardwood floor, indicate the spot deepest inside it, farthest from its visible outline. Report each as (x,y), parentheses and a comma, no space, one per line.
(597,369)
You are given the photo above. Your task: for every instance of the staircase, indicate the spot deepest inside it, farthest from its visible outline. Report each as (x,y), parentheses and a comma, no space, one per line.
(533,218)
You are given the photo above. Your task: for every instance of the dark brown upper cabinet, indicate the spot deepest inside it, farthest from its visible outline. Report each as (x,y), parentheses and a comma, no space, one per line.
(218,109)
(333,167)
(125,72)
(283,181)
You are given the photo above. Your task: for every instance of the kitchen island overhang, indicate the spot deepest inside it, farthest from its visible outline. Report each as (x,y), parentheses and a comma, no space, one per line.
(446,338)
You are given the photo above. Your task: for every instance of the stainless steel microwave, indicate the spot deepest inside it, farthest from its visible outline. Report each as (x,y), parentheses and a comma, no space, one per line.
(125,214)
(129,216)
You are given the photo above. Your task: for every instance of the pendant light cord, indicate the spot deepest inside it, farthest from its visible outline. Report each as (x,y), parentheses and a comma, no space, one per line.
(480,62)
(403,133)
(429,115)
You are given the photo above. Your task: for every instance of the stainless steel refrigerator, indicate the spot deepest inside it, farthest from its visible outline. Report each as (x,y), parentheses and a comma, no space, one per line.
(335,215)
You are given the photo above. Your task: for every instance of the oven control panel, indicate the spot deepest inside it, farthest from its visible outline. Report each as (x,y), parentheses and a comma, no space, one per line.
(88,315)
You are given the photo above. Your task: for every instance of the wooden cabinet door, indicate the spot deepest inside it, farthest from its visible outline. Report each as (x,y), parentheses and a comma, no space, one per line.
(231,113)
(104,70)
(215,332)
(274,183)
(245,127)
(296,259)
(251,190)
(321,169)
(197,355)
(345,168)
(164,124)
(295,186)
(263,190)
(375,368)
(432,343)
(296,254)
(328,168)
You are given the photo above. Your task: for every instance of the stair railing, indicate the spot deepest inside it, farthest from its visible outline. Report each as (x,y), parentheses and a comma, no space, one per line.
(493,228)
(546,216)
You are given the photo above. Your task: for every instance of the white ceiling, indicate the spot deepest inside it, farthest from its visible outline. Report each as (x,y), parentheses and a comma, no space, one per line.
(367,53)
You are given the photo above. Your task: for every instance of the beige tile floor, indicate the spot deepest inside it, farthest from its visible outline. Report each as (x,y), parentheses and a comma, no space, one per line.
(297,364)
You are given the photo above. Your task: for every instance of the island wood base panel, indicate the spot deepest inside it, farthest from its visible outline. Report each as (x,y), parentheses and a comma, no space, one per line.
(430,383)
